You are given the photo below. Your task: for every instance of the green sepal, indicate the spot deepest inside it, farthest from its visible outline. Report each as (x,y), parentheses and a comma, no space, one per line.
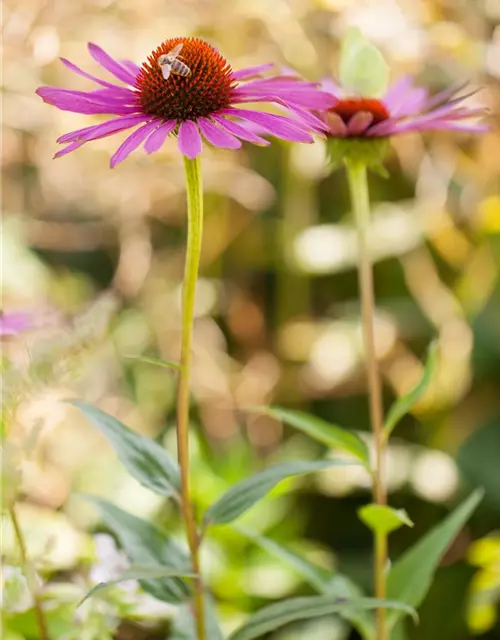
(369,152)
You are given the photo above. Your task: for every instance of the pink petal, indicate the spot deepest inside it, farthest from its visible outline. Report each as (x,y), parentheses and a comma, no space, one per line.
(442,125)
(103,129)
(157,138)
(404,98)
(84,74)
(239,130)
(413,102)
(278,126)
(337,125)
(280,82)
(359,123)
(114,67)
(443,96)
(397,90)
(71,147)
(81,102)
(132,142)
(311,98)
(249,72)
(131,66)
(328,85)
(189,139)
(311,121)
(14,323)
(217,136)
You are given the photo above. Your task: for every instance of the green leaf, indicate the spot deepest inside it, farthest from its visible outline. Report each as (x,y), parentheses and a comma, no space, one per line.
(184,628)
(246,493)
(328,434)
(166,364)
(342,587)
(336,585)
(146,544)
(362,68)
(138,572)
(406,402)
(317,577)
(276,615)
(146,460)
(478,460)
(411,575)
(382,519)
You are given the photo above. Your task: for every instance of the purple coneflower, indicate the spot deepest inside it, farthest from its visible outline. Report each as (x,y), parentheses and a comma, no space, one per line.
(405,107)
(206,102)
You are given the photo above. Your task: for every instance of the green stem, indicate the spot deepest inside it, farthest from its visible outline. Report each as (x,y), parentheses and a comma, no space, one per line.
(195,229)
(30,575)
(358,186)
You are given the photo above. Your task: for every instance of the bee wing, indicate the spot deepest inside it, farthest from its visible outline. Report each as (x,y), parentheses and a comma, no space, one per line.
(166,69)
(176,50)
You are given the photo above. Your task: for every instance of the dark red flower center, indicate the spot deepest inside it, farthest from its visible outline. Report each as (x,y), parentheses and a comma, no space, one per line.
(349,107)
(206,89)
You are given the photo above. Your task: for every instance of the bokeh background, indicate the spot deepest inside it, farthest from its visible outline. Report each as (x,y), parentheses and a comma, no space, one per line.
(96,255)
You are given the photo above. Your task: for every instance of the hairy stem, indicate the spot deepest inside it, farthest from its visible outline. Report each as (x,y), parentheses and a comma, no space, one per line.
(358,186)
(30,575)
(195,228)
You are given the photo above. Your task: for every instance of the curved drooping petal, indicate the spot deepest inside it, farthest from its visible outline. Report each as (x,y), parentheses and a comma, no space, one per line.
(189,139)
(250,72)
(158,137)
(231,126)
(279,126)
(104,129)
(86,103)
(217,136)
(84,74)
(111,65)
(132,142)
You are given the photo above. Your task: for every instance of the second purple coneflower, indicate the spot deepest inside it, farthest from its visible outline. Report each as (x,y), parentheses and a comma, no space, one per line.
(363,119)
(404,107)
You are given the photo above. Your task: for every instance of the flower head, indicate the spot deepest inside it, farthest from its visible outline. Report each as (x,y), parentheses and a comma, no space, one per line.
(186,88)
(404,107)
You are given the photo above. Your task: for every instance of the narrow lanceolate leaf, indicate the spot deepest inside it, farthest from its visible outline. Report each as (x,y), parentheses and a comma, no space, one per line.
(328,434)
(336,585)
(382,519)
(146,544)
(184,627)
(403,405)
(249,491)
(342,587)
(138,572)
(145,460)
(276,615)
(317,577)
(166,364)
(411,576)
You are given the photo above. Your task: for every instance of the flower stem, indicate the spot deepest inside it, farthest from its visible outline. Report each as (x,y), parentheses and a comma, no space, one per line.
(30,575)
(195,229)
(358,186)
